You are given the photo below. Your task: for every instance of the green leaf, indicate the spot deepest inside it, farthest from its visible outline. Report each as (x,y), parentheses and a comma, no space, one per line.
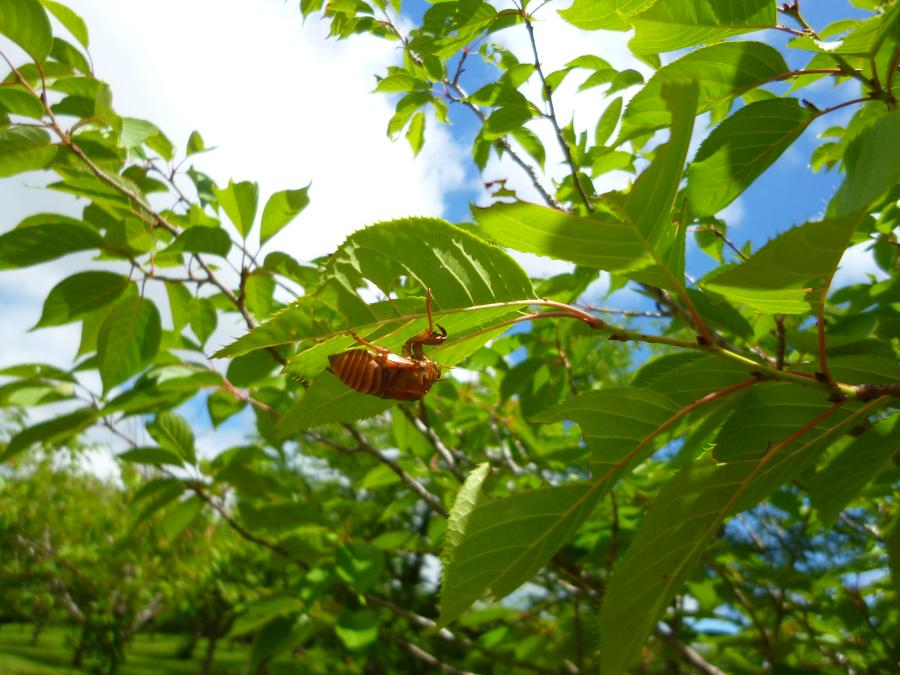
(603,14)
(531,143)
(135,132)
(683,519)
(181,516)
(722,71)
(70,55)
(25,22)
(70,20)
(607,122)
(872,163)
(52,431)
(359,564)
(280,210)
(203,318)
(151,455)
(259,290)
(738,151)
(221,405)
(329,401)
(400,83)
(24,148)
(864,368)
(128,340)
(892,544)
(201,239)
(867,37)
(18,102)
(239,201)
(80,294)
(842,480)
(674,24)
(248,369)
(415,134)
(690,377)
(39,243)
(649,204)
(633,243)
(618,426)
(195,144)
(357,630)
(505,542)
(469,497)
(767,412)
(179,304)
(258,612)
(505,119)
(174,434)
(600,241)
(789,274)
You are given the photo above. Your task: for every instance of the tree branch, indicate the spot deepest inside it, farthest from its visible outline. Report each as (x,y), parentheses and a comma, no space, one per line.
(551,114)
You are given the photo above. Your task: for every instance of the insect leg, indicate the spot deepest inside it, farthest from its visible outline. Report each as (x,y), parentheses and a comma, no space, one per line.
(380,350)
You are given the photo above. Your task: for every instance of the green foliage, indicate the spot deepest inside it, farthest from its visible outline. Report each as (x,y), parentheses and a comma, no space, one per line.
(726,449)
(738,151)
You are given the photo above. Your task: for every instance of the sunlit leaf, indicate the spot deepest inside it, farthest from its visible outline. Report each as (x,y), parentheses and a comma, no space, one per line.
(684,518)
(239,201)
(24,246)
(79,294)
(24,149)
(25,22)
(740,149)
(835,486)
(128,339)
(280,210)
(789,273)
(722,71)
(173,433)
(674,24)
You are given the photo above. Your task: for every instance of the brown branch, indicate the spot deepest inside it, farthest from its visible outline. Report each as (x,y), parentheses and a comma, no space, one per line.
(407,480)
(198,489)
(506,146)
(446,634)
(690,656)
(724,237)
(551,115)
(623,312)
(426,431)
(422,655)
(781,337)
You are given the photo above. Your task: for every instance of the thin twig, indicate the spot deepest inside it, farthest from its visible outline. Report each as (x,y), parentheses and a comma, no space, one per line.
(446,634)
(721,235)
(551,114)
(407,480)
(422,655)
(426,430)
(691,656)
(781,337)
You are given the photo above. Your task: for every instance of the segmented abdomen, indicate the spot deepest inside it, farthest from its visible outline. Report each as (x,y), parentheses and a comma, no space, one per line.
(359,370)
(386,376)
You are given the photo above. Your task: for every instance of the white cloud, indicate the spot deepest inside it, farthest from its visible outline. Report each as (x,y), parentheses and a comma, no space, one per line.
(856,266)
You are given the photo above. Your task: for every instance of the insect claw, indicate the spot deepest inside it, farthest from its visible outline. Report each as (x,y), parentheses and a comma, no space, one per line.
(443,330)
